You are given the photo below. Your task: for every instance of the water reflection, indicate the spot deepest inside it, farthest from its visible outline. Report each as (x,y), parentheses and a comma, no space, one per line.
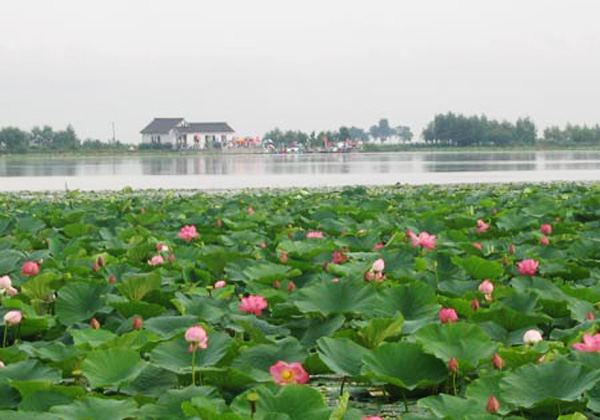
(300,165)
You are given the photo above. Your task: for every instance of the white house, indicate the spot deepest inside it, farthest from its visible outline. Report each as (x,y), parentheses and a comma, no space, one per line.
(184,135)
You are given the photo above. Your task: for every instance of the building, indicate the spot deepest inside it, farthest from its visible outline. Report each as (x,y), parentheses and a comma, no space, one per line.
(183,135)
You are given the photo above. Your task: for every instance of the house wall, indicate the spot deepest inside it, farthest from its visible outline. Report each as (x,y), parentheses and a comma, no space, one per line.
(164,138)
(202,144)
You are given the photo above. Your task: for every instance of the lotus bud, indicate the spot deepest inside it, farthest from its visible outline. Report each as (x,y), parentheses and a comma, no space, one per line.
(475,304)
(219,223)
(493,405)
(544,241)
(95,324)
(276,284)
(13,318)
(512,249)
(112,279)
(283,257)
(486,287)
(172,258)
(590,316)
(291,286)
(447,315)
(453,365)
(220,284)
(95,266)
(137,323)
(378,265)
(532,337)
(497,361)
(546,228)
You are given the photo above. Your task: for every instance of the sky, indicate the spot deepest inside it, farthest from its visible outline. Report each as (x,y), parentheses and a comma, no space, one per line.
(308,65)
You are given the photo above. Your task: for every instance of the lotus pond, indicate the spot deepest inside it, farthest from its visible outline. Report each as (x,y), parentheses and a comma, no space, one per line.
(404,302)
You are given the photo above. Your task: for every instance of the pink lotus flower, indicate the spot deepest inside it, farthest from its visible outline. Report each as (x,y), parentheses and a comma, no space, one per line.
(187,233)
(528,267)
(478,245)
(544,241)
(378,266)
(486,287)
(371,418)
(378,246)
(315,234)
(220,284)
(424,240)
(197,337)
(162,248)
(590,316)
(284,373)
(2,364)
(12,291)
(591,344)
(5,283)
(13,318)
(250,211)
(253,304)
(411,234)
(156,260)
(30,268)
(335,280)
(482,227)
(546,228)
(447,315)
(338,257)
(532,336)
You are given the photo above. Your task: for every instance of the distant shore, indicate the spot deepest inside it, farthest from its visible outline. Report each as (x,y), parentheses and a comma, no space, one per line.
(371,148)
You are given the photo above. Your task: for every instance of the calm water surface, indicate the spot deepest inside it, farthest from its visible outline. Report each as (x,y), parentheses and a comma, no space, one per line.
(215,172)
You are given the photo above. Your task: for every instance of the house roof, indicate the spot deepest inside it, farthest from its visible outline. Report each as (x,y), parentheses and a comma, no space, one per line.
(161,125)
(212,127)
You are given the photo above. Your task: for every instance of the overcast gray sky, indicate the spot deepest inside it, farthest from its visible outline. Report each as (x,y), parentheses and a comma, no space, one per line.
(310,64)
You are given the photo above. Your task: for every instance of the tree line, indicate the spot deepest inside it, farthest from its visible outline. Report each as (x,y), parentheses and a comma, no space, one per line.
(382,132)
(15,140)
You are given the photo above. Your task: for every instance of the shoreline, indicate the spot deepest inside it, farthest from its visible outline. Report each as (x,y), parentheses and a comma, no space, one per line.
(235,152)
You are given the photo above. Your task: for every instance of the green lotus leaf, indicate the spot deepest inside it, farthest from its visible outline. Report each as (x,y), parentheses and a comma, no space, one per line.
(97,409)
(482,388)
(466,342)
(169,403)
(267,272)
(152,381)
(92,337)
(29,370)
(27,415)
(261,357)
(452,408)
(341,355)
(379,329)
(478,267)
(111,367)
(135,286)
(405,365)
(79,301)
(329,298)
(296,402)
(169,326)
(415,301)
(173,355)
(546,384)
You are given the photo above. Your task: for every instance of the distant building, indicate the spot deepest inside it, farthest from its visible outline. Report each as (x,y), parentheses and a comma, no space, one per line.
(184,135)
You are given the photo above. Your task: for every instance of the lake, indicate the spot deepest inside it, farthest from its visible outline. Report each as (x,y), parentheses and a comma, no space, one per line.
(220,172)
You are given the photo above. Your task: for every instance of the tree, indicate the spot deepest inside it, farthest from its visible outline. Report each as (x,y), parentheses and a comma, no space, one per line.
(404,132)
(14,140)
(382,131)
(65,139)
